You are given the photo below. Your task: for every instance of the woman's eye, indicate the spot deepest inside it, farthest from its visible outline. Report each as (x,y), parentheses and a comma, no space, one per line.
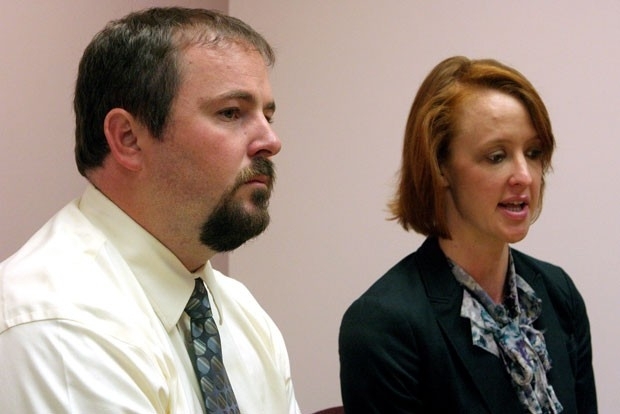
(496,157)
(534,153)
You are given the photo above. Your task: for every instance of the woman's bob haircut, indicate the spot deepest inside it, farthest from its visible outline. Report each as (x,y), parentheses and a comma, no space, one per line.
(419,202)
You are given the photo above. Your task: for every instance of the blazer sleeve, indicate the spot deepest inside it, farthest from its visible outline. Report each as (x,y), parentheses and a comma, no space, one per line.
(379,364)
(571,310)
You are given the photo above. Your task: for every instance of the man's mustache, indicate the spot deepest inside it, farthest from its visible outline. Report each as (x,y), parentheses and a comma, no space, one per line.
(259,167)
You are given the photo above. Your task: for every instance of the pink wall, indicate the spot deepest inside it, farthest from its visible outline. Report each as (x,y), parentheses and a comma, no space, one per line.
(346,73)
(41,45)
(344,81)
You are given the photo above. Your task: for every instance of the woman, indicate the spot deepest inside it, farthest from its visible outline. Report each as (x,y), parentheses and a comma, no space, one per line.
(467,324)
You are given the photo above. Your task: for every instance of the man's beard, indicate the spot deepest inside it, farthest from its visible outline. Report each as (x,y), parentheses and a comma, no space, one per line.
(230,225)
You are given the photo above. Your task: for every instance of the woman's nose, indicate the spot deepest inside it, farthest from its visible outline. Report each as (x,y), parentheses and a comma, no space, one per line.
(521,173)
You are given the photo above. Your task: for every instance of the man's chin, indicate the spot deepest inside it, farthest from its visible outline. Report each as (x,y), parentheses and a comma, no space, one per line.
(256,201)
(230,228)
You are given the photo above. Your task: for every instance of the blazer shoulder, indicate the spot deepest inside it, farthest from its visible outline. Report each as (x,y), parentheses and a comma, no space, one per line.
(400,281)
(564,295)
(553,275)
(407,287)
(521,258)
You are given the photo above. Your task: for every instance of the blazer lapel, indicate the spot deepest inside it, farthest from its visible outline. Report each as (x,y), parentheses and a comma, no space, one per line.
(445,295)
(560,376)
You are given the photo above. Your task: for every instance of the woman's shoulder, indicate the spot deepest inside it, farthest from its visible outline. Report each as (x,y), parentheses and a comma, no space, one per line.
(553,275)
(565,297)
(541,266)
(401,280)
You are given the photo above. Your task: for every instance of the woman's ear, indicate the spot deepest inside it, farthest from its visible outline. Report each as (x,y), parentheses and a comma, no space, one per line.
(122,130)
(443,177)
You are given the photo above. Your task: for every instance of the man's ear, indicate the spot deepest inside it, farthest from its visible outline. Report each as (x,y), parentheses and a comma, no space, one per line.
(122,131)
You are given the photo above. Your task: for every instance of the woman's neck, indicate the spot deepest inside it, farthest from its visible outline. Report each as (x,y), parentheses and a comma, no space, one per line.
(486,264)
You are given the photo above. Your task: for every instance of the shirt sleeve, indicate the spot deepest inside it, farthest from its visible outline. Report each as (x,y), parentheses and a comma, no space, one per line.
(285,367)
(60,366)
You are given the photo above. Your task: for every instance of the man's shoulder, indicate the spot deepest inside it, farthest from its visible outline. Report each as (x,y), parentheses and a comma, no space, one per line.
(232,290)
(66,270)
(67,231)
(59,247)
(234,297)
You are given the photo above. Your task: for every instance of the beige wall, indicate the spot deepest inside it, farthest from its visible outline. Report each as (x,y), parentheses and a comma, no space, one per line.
(346,75)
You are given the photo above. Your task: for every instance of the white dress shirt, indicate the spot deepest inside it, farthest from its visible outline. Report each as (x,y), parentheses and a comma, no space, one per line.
(92,321)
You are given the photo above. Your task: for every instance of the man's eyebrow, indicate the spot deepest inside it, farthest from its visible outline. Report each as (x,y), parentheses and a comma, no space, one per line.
(246,96)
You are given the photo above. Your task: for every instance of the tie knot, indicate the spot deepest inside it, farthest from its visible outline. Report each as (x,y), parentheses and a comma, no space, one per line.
(198,305)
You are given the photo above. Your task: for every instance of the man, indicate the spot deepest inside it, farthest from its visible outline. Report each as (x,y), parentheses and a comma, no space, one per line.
(173,110)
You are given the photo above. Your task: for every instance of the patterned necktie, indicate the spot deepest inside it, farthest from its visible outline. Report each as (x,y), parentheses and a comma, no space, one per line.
(208,363)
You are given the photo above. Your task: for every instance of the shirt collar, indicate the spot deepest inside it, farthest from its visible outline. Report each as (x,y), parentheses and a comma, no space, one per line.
(166,282)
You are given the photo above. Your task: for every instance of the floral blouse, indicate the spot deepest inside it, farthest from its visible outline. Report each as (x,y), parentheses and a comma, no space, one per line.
(506,331)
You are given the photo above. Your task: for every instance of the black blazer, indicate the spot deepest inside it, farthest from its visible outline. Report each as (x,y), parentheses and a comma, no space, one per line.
(404,348)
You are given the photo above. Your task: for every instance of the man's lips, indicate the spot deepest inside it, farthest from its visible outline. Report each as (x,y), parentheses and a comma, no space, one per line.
(260,180)
(263,179)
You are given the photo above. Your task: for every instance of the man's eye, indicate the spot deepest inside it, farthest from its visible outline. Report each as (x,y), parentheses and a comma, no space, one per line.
(229,113)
